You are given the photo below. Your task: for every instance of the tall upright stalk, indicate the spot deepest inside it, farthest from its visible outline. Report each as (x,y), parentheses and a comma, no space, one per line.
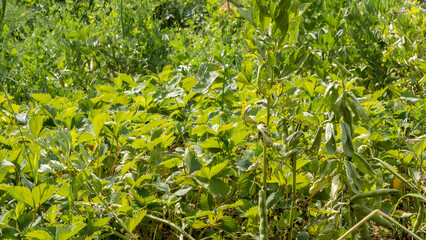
(266,37)
(121,19)
(3,10)
(263,227)
(293,195)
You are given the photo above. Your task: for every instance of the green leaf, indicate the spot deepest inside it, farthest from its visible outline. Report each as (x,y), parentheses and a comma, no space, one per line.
(298,11)
(96,224)
(341,67)
(316,142)
(219,170)
(207,201)
(218,187)
(273,199)
(182,191)
(216,171)
(229,224)
(246,14)
(264,18)
(118,81)
(191,162)
(22,194)
(4,170)
(42,193)
(320,185)
(98,122)
(346,138)
(210,143)
(330,138)
(362,164)
(42,98)
(38,235)
(281,21)
(162,186)
(127,166)
(415,195)
(36,124)
(66,231)
(78,181)
(357,107)
(141,179)
(197,224)
(352,177)
(132,223)
(229,206)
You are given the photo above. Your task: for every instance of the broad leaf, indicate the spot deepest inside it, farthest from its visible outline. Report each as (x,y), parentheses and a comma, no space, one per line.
(67,231)
(42,193)
(38,235)
(346,139)
(330,138)
(36,124)
(162,186)
(96,224)
(98,122)
(22,194)
(218,187)
(191,162)
(132,223)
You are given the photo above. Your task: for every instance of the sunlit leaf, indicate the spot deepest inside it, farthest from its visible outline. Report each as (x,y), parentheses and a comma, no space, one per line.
(22,194)
(346,138)
(39,235)
(36,124)
(67,231)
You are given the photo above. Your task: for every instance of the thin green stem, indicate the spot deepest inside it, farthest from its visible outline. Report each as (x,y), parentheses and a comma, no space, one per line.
(377,211)
(172,225)
(265,164)
(3,10)
(293,195)
(106,205)
(121,19)
(34,170)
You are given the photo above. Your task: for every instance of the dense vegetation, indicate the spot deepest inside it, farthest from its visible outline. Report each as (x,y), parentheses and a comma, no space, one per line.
(199,119)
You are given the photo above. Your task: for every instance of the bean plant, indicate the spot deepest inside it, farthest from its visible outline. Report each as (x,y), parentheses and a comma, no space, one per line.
(189,119)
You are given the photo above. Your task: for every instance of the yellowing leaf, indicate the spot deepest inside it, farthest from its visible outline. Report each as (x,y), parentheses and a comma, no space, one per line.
(35,125)
(22,194)
(39,235)
(67,231)
(42,98)
(42,193)
(98,123)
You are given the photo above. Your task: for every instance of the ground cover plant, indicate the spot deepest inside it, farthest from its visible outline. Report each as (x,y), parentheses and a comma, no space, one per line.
(191,119)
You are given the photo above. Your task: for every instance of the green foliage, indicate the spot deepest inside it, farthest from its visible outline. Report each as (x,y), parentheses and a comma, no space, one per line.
(279,120)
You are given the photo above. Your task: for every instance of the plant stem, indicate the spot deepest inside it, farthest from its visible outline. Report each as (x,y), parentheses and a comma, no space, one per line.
(121,19)
(384,215)
(33,168)
(172,225)
(293,195)
(3,10)
(265,164)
